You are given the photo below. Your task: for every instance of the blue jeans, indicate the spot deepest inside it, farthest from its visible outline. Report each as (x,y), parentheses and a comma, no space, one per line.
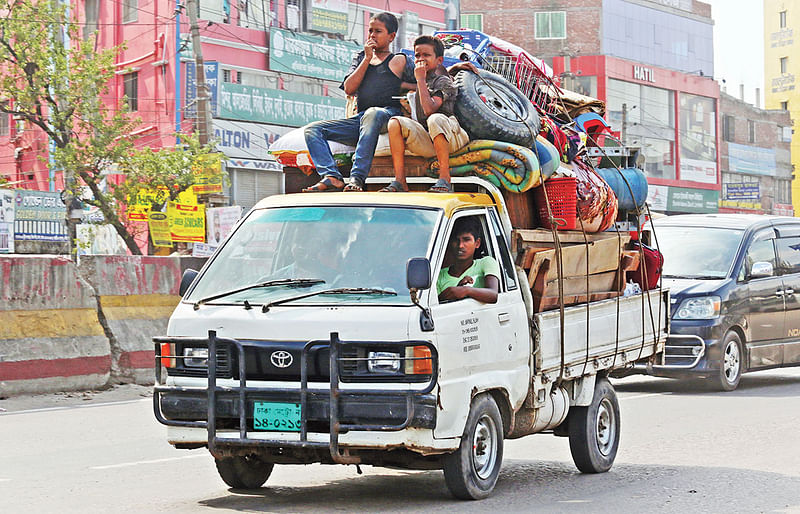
(362,130)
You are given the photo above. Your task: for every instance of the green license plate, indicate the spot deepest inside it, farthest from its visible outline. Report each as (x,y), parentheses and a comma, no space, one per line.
(276,417)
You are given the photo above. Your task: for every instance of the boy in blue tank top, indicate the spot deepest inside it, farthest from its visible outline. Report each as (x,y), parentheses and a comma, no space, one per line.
(376,77)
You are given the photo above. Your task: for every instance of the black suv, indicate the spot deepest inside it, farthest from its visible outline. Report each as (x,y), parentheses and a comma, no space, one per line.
(735,287)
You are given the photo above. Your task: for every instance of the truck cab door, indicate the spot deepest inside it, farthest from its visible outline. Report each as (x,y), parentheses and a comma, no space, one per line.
(477,342)
(765,309)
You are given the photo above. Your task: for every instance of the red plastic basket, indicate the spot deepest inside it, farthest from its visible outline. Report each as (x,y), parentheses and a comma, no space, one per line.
(563,196)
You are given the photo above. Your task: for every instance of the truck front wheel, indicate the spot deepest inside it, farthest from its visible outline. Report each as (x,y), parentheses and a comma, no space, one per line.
(594,430)
(244,472)
(471,471)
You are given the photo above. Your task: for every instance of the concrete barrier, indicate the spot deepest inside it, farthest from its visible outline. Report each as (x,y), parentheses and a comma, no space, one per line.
(50,336)
(66,327)
(137,296)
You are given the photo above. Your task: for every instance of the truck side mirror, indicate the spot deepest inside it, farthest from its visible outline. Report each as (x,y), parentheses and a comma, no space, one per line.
(761,269)
(186,281)
(418,273)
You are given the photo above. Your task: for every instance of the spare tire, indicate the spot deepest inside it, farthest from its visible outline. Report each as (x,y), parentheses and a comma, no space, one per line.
(489,107)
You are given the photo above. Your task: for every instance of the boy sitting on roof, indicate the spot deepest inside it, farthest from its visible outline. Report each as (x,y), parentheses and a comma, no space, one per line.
(437,133)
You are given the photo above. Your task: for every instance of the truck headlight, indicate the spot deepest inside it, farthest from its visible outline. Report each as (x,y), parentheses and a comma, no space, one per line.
(195,357)
(383,362)
(705,307)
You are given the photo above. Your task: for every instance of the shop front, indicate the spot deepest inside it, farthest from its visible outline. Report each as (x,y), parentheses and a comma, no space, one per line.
(672,116)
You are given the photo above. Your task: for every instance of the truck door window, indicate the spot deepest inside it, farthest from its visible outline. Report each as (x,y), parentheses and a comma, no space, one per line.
(484,256)
(505,257)
(788,255)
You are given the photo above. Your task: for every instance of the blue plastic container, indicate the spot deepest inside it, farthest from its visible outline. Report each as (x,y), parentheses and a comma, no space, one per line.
(638,184)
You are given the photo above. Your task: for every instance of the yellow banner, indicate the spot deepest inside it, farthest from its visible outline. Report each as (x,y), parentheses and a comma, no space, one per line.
(139,206)
(208,175)
(187,223)
(158,224)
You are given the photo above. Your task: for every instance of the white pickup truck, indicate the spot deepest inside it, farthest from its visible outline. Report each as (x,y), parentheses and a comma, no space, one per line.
(314,334)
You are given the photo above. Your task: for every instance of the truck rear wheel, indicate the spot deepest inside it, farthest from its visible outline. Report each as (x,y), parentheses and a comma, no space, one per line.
(244,472)
(594,430)
(471,471)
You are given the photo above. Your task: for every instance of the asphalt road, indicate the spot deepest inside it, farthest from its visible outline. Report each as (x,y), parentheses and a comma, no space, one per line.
(683,449)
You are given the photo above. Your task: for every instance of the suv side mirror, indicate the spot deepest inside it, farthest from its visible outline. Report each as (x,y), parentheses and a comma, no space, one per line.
(186,281)
(418,273)
(761,269)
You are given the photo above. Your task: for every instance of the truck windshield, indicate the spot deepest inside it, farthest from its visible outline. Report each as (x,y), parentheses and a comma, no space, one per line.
(336,246)
(697,252)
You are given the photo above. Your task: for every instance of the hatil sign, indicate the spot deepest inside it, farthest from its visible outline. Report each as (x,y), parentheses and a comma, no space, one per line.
(643,73)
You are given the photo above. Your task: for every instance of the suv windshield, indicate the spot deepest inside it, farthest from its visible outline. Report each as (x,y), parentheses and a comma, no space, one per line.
(697,252)
(331,247)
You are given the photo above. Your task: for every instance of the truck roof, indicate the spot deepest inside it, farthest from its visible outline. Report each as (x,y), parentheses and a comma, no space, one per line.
(449,202)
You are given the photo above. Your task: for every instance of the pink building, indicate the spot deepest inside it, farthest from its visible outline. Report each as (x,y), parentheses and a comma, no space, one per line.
(258,95)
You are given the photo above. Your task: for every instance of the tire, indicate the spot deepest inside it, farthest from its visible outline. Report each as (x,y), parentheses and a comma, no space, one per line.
(471,471)
(489,107)
(594,430)
(248,472)
(730,370)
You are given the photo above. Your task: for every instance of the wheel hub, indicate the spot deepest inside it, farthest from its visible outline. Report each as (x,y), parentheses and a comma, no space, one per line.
(731,361)
(484,447)
(606,427)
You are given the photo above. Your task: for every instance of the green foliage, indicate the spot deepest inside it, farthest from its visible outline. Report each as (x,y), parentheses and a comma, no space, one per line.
(58,87)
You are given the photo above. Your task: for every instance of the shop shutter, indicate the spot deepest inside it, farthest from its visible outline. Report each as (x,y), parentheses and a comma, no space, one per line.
(250,186)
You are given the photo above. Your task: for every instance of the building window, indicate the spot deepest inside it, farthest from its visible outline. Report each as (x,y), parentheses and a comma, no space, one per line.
(784,191)
(751,131)
(91,11)
(3,124)
(782,17)
(130,10)
(294,14)
(728,123)
(551,25)
(786,134)
(232,76)
(472,21)
(131,85)
(785,106)
(784,65)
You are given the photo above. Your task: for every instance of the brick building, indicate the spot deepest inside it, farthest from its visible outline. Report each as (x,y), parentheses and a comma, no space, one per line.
(651,61)
(755,158)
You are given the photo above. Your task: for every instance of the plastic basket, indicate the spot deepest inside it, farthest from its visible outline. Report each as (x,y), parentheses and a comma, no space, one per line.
(563,196)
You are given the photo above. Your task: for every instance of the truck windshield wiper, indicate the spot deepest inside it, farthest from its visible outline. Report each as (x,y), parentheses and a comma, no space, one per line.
(299,282)
(340,290)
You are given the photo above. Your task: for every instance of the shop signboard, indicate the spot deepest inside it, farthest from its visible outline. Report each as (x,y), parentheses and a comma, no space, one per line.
(263,105)
(158,224)
(212,82)
(698,170)
(309,55)
(187,223)
(243,140)
(221,221)
(207,175)
(39,216)
(682,199)
(6,221)
(329,16)
(752,160)
(782,209)
(742,191)
(657,197)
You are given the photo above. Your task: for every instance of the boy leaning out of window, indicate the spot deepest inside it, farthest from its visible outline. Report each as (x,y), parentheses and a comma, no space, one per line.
(436,131)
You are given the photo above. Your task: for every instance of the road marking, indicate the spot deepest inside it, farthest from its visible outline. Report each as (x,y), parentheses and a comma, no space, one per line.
(154,461)
(68,407)
(636,397)
(574,501)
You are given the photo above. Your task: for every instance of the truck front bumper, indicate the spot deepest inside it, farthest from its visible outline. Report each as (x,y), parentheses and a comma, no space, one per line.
(225,413)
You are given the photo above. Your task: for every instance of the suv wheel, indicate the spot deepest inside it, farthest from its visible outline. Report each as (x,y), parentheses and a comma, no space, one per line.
(730,370)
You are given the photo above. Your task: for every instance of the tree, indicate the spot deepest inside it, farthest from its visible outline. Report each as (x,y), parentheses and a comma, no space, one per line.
(53,78)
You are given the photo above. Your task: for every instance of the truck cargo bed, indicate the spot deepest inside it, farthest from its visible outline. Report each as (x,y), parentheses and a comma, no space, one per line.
(612,342)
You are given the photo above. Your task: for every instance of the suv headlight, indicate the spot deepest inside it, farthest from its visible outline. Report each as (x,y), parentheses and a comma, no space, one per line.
(383,362)
(705,307)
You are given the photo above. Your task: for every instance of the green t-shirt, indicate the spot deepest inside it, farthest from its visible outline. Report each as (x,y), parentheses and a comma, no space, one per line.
(478,271)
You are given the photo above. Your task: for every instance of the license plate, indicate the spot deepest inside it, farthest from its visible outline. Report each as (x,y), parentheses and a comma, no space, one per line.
(276,417)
